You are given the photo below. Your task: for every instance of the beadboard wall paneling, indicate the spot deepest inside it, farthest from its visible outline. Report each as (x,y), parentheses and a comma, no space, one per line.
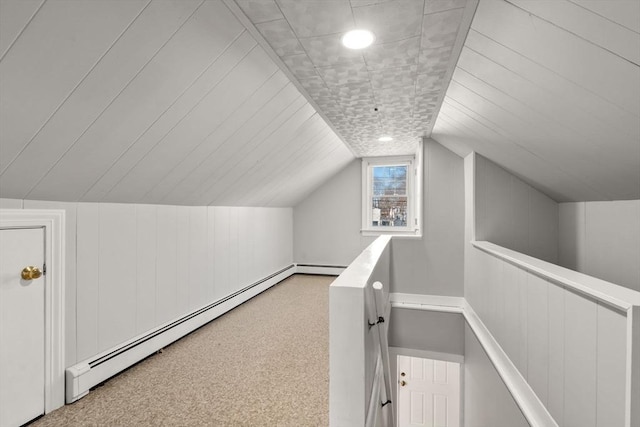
(157,101)
(532,90)
(132,267)
(554,336)
(567,347)
(513,214)
(14,17)
(602,239)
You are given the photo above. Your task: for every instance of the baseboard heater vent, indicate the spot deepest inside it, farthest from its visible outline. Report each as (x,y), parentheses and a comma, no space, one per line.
(80,378)
(327,270)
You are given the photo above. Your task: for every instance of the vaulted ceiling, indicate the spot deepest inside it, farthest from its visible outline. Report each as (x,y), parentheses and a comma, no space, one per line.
(550,90)
(151,101)
(254,102)
(393,88)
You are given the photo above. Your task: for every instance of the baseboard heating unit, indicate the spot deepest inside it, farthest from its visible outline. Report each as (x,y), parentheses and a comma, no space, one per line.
(325,270)
(80,378)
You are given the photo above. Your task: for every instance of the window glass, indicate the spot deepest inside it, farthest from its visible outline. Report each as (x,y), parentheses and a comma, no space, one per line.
(389,196)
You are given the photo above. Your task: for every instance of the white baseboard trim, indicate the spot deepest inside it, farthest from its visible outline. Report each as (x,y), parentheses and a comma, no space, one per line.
(324,270)
(81,377)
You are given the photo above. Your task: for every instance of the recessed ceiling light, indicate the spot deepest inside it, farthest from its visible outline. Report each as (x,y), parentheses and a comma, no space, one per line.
(385,139)
(358,39)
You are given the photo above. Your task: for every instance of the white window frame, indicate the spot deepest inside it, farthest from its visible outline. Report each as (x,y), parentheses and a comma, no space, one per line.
(368,163)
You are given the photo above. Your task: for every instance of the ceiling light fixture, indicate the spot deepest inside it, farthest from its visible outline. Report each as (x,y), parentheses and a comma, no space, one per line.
(385,139)
(358,39)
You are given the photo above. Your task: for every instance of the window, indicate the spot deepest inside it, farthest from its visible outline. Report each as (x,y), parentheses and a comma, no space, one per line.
(388,196)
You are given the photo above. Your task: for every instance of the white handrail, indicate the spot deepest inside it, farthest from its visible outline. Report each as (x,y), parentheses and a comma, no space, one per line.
(601,290)
(530,405)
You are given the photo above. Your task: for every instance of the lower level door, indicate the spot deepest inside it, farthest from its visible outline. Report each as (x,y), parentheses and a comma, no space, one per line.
(428,392)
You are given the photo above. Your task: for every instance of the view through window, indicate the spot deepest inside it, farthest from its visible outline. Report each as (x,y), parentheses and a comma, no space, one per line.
(389,196)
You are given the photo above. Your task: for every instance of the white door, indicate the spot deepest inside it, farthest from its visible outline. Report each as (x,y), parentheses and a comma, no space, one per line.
(22,355)
(428,392)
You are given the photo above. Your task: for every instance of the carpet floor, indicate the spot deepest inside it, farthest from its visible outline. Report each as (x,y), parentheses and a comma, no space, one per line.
(265,363)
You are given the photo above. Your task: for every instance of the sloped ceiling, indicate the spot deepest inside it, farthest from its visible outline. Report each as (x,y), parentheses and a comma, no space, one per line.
(550,90)
(151,101)
(251,102)
(393,88)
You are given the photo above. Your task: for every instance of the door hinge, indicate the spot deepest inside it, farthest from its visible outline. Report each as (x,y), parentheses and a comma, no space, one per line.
(44,269)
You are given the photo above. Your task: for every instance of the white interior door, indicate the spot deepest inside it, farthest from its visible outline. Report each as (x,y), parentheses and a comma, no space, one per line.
(22,322)
(428,392)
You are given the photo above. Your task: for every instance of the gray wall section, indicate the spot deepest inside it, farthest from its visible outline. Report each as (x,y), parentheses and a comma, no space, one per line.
(487,401)
(602,239)
(327,227)
(434,265)
(427,330)
(513,214)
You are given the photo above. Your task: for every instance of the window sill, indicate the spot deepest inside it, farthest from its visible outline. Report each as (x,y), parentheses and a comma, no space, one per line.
(405,234)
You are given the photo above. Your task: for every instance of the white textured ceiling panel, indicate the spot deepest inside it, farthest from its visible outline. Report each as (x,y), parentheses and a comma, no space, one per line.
(550,90)
(151,101)
(395,87)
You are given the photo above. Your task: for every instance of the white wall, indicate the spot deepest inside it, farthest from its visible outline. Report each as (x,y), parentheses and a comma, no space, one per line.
(487,402)
(132,267)
(602,239)
(327,227)
(513,214)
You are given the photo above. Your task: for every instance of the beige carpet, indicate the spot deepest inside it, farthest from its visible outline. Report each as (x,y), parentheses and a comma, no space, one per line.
(265,363)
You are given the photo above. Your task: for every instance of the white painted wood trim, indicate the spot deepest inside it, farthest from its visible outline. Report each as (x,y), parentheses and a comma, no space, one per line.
(427,307)
(383,335)
(470,196)
(532,408)
(412,228)
(346,353)
(374,400)
(237,11)
(347,332)
(632,408)
(359,271)
(426,299)
(82,376)
(607,292)
(54,223)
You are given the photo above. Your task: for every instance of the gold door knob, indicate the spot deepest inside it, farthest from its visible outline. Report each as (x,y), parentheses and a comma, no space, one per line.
(403,383)
(31,272)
